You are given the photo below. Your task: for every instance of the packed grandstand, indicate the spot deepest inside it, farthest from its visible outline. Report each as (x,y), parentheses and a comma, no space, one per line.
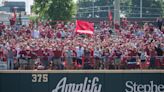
(44,46)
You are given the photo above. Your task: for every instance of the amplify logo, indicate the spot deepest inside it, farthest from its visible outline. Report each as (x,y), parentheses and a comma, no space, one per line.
(151,87)
(87,86)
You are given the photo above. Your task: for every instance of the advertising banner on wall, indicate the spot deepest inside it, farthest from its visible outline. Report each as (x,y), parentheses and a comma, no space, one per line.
(81,82)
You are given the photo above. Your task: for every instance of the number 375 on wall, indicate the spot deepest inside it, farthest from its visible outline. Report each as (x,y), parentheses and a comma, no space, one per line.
(39,77)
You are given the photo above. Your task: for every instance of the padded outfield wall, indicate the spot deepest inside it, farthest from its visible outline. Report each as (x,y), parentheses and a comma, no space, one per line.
(82,81)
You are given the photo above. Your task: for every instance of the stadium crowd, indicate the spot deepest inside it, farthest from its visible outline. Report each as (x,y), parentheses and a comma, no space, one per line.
(44,46)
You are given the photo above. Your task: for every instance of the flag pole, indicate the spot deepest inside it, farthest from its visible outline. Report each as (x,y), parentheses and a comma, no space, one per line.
(117,11)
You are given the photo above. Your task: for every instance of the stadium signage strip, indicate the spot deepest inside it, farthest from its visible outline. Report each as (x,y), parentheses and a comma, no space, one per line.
(92,86)
(82,82)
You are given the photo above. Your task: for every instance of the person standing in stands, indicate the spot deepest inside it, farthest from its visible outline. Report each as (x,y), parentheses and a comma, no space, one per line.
(97,56)
(69,54)
(159,52)
(13,19)
(57,57)
(63,34)
(159,22)
(80,53)
(2,28)
(35,34)
(10,59)
(152,57)
(143,57)
(1,54)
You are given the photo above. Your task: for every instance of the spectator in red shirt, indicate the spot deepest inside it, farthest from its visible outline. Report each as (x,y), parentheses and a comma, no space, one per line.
(2,27)
(57,57)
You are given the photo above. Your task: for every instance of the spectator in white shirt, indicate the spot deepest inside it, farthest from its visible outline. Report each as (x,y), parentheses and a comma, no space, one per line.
(35,34)
(80,52)
(97,56)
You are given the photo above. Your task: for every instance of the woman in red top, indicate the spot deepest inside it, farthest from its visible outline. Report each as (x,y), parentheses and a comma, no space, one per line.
(74,57)
(1,54)
(106,55)
(57,57)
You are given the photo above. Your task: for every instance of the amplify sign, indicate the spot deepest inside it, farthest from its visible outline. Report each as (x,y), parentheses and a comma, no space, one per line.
(81,82)
(87,86)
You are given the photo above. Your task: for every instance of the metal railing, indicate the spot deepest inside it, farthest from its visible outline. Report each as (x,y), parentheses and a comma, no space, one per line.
(85,62)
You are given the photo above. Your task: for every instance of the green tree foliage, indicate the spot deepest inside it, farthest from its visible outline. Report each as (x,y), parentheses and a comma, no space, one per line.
(55,9)
(126,7)
(162,7)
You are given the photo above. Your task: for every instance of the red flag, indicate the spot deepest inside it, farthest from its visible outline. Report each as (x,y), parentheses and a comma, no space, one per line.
(84,27)
(110,15)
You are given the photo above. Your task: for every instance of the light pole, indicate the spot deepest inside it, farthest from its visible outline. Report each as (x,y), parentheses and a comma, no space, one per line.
(117,11)
(141,8)
(93,10)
